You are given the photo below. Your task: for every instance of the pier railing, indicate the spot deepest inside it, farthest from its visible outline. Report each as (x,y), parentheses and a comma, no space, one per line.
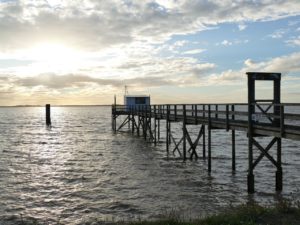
(279,120)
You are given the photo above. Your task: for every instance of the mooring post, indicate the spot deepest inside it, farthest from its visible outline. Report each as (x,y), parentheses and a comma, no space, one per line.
(233,139)
(48,115)
(184,131)
(209,139)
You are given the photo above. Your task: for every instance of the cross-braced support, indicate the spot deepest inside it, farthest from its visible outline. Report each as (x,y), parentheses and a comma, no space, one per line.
(252,104)
(265,153)
(130,121)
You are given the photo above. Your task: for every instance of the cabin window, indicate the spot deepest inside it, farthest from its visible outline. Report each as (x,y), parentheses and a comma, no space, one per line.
(140,101)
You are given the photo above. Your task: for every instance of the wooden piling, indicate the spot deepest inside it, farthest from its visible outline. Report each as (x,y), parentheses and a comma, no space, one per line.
(168,129)
(48,115)
(209,139)
(184,132)
(251,111)
(233,140)
(279,167)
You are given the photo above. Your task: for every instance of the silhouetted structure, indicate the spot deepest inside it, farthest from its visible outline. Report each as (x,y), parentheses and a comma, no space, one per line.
(254,118)
(48,115)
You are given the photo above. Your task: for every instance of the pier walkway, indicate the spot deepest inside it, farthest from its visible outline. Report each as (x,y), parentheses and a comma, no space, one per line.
(257,118)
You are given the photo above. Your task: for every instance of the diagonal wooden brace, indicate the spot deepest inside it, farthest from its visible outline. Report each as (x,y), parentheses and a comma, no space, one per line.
(264,152)
(176,144)
(265,111)
(194,144)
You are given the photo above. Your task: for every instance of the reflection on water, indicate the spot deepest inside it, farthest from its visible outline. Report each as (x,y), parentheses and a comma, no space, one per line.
(79,170)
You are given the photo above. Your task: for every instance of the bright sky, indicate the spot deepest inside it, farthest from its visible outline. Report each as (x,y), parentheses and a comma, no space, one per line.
(178,51)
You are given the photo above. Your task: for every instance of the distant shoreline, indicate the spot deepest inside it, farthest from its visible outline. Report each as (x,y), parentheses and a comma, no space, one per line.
(15,106)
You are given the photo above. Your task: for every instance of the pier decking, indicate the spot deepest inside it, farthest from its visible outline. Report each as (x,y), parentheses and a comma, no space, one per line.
(257,118)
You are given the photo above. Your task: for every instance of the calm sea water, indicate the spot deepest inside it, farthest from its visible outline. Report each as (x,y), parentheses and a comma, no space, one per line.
(79,171)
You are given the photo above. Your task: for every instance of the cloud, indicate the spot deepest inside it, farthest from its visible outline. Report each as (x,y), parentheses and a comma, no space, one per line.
(287,64)
(96,25)
(294,41)
(226,43)
(194,51)
(278,33)
(242,27)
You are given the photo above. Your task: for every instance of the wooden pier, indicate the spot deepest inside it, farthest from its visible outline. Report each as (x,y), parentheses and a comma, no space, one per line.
(257,118)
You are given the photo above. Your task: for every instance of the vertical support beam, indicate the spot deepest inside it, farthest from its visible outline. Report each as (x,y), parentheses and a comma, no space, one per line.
(184,131)
(155,125)
(209,139)
(233,139)
(48,115)
(251,108)
(167,128)
(139,120)
(112,117)
(282,131)
(216,112)
(158,129)
(279,167)
(144,122)
(149,121)
(132,121)
(276,93)
(278,111)
(203,142)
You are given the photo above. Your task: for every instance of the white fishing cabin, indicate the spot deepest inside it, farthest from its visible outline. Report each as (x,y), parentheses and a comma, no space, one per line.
(136,101)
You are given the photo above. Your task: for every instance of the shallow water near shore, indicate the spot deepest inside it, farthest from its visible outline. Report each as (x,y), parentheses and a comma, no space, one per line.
(79,170)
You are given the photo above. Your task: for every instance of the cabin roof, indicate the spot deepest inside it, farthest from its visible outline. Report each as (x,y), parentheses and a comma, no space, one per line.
(137,96)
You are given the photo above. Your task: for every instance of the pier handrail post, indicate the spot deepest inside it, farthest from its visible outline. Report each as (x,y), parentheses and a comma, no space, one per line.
(184,131)
(196,114)
(175,112)
(282,131)
(203,112)
(192,110)
(227,117)
(216,111)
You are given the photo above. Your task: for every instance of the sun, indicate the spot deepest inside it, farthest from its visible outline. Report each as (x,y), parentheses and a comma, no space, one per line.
(52,53)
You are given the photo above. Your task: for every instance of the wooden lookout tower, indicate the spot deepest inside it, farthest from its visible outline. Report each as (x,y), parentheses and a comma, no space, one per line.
(263,106)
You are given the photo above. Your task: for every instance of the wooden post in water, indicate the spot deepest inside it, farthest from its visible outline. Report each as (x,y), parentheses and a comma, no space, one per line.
(184,132)
(203,143)
(233,140)
(209,139)
(168,128)
(48,115)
